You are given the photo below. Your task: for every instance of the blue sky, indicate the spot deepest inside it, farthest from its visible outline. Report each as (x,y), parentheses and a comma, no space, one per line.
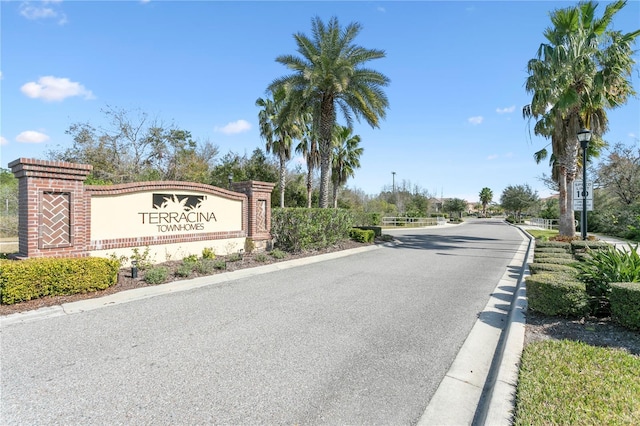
(457,73)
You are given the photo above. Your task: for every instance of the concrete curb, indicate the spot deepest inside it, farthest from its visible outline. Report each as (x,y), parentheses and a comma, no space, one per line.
(173,287)
(480,384)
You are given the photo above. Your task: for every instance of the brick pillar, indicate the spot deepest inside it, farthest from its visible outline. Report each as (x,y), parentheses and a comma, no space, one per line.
(259,210)
(54,211)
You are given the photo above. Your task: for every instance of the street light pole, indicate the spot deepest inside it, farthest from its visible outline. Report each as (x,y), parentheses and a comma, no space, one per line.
(584,136)
(394,188)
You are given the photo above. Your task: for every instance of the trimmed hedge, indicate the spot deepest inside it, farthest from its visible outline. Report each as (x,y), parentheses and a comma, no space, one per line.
(555,260)
(558,250)
(557,294)
(625,304)
(536,268)
(34,278)
(542,255)
(554,244)
(376,229)
(362,235)
(582,245)
(299,229)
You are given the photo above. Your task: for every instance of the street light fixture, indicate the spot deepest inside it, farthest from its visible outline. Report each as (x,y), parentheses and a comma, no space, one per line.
(230,179)
(584,136)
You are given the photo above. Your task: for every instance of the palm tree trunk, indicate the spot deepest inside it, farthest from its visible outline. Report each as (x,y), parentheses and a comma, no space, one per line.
(309,186)
(327,121)
(335,196)
(283,175)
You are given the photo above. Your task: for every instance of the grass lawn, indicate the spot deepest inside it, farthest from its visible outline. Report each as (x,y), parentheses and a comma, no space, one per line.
(539,233)
(567,382)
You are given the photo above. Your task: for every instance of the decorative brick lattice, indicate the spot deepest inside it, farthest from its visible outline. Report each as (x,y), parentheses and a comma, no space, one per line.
(55,225)
(261,216)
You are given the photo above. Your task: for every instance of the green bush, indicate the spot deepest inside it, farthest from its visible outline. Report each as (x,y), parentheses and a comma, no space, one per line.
(584,245)
(625,304)
(299,229)
(376,229)
(536,268)
(362,235)
(554,244)
(34,278)
(207,253)
(234,257)
(557,294)
(192,258)
(185,269)
(543,255)
(207,266)
(555,260)
(609,265)
(156,275)
(261,257)
(559,250)
(278,254)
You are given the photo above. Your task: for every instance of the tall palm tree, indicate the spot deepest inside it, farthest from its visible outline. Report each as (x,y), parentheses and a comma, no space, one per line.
(278,129)
(580,71)
(346,158)
(486,195)
(330,75)
(308,147)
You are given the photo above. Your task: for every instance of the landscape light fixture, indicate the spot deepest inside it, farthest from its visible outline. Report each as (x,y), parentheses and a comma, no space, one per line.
(230,179)
(584,136)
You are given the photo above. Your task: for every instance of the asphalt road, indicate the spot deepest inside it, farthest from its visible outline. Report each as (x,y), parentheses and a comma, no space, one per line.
(359,340)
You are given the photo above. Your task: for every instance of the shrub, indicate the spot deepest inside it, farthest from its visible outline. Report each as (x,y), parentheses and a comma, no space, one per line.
(185,269)
(156,275)
(543,255)
(299,229)
(625,304)
(582,245)
(207,266)
(555,260)
(609,265)
(249,245)
(207,253)
(34,278)
(554,244)
(192,258)
(261,257)
(143,259)
(536,268)
(376,229)
(278,254)
(551,250)
(557,294)
(362,235)
(234,257)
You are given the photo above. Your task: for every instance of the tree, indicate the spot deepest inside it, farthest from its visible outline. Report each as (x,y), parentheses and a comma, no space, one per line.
(455,205)
(486,196)
(620,173)
(278,128)
(330,75)
(518,198)
(133,148)
(308,147)
(345,159)
(583,69)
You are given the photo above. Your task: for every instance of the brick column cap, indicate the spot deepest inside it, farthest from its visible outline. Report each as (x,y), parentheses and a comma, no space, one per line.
(29,167)
(254,186)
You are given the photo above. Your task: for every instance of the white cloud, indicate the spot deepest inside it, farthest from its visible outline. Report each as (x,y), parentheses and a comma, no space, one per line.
(475,120)
(50,88)
(31,136)
(234,127)
(48,9)
(506,110)
(381,9)
(3,141)
(492,157)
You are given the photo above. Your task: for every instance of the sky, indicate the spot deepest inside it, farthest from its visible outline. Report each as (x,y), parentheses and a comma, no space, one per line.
(457,70)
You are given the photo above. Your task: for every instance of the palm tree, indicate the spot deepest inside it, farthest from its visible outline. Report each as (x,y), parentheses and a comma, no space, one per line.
(346,158)
(582,70)
(329,76)
(308,147)
(486,195)
(278,129)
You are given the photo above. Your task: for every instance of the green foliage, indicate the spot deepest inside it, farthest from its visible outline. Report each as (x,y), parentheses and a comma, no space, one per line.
(557,294)
(542,255)
(536,268)
(556,260)
(608,266)
(261,257)
(377,230)
(571,383)
(34,278)
(278,254)
(207,266)
(143,259)
(582,245)
(362,235)
(207,253)
(249,245)
(555,250)
(517,199)
(625,304)
(297,229)
(554,244)
(234,257)
(185,269)
(192,258)
(156,275)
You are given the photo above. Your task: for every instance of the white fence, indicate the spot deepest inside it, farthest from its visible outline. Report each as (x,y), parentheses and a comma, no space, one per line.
(544,223)
(413,221)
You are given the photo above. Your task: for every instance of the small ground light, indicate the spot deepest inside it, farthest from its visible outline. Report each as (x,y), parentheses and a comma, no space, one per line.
(134,269)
